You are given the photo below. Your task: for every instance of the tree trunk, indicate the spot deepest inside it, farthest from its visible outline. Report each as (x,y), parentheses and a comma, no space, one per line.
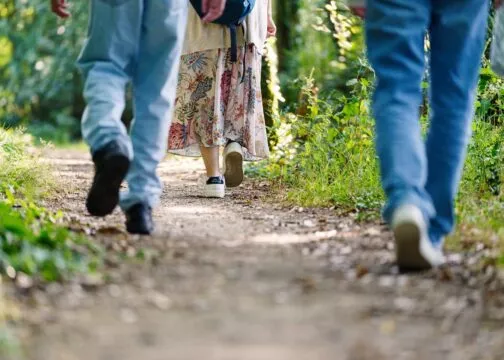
(287,21)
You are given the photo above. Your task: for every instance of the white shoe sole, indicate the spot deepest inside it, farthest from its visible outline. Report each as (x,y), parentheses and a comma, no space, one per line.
(233,165)
(214,191)
(413,248)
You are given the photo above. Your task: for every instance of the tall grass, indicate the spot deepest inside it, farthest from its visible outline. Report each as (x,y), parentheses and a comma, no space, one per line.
(21,170)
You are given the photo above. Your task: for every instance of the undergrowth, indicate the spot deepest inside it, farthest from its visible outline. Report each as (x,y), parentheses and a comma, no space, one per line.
(33,242)
(326,157)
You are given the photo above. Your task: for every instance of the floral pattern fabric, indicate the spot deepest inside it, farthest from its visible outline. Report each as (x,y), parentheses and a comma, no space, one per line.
(219,101)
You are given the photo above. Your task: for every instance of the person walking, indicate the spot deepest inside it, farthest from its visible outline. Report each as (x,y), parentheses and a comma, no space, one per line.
(420,178)
(137,41)
(219,101)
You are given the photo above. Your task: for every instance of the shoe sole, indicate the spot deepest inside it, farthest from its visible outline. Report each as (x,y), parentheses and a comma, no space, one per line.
(234,169)
(103,196)
(134,231)
(407,241)
(214,191)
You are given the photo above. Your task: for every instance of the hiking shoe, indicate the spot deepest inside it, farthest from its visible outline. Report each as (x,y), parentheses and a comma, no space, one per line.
(233,164)
(214,187)
(414,250)
(111,166)
(139,219)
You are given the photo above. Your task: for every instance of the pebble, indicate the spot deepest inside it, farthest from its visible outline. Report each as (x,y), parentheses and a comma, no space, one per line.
(388,327)
(321,249)
(114,290)
(128,316)
(308,223)
(93,281)
(161,301)
(347,250)
(281,298)
(371,232)
(338,260)
(54,289)
(351,275)
(453,305)
(11,272)
(405,304)
(24,281)
(367,279)
(386,281)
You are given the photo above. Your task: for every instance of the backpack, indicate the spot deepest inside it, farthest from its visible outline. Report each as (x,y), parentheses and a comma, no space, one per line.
(233,16)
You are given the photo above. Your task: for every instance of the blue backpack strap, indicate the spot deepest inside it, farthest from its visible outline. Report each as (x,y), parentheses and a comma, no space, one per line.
(234,43)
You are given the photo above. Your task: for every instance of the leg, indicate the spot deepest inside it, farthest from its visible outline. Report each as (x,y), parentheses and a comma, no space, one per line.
(458,32)
(106,62)
(211,159)
(395,32)
(155,83)
(214,186)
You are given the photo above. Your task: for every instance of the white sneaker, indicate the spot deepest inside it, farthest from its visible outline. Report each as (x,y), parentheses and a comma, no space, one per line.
(214,187)
(233,164)
(414,250)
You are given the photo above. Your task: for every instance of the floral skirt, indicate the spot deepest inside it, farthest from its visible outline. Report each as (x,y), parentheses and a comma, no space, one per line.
(219,101)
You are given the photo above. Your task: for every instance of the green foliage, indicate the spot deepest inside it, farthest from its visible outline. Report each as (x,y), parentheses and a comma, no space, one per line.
(481,199)
(328,47)
(32,240)
(33,243)
(21,172)
(490,102)
(39,85)
(485,168)
(327,157)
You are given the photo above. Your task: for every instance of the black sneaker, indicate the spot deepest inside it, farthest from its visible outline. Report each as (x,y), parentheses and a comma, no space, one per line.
(111,166)
(139,219)
(215,187)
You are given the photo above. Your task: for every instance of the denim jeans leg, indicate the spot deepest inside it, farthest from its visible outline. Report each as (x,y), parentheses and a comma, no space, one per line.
(395,33)
(106,62)
(154,86)
(457,36)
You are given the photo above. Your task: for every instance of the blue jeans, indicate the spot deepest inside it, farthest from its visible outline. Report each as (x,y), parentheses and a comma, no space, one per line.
(414,171)
(137,41)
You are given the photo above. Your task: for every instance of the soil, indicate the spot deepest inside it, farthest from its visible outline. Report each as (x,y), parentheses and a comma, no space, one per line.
(249,277)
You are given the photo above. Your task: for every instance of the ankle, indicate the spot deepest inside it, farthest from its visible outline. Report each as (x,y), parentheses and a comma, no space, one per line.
(211,174)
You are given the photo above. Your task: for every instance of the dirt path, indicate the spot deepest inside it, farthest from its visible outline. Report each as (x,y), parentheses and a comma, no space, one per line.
(245,278)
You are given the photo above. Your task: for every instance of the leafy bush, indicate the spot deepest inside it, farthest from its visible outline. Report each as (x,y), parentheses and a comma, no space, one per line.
(481,199)
(327,46)
(326,157)
(39,85)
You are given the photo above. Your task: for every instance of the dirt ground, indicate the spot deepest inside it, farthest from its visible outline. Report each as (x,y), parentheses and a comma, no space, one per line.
(248,278)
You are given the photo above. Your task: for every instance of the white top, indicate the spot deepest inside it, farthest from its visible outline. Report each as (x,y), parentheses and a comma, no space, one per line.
(201,36)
